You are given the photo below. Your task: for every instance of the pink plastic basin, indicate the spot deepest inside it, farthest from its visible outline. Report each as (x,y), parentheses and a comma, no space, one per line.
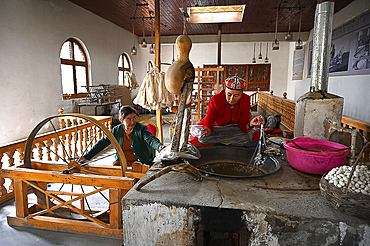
(319,161)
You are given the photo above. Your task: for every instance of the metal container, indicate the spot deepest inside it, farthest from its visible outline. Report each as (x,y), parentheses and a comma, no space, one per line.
(233,161)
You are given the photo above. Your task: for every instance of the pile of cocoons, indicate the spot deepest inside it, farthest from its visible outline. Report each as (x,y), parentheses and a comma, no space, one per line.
(360,182)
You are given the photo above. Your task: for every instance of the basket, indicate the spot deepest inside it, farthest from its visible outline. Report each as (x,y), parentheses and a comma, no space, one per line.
(355,204)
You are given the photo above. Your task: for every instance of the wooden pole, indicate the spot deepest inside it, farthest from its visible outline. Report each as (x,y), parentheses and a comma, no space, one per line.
(219,45)
(158,64)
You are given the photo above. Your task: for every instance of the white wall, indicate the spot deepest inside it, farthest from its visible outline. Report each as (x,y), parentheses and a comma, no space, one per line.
(354,89)
(32,33)
(238,53)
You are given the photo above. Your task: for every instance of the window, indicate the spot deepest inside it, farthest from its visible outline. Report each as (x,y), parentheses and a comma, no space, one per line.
(123,68)
(74,69)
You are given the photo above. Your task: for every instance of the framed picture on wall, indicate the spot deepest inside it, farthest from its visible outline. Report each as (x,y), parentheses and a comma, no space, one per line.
(298,63)
(349,49)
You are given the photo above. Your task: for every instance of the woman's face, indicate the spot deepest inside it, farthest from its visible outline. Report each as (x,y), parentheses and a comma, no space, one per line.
(233,96)
(130,121)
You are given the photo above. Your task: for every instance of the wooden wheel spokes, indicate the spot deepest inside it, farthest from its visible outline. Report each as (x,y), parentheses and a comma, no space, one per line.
(74,140)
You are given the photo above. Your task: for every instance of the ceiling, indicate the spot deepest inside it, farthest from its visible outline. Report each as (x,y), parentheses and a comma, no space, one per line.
(259,15)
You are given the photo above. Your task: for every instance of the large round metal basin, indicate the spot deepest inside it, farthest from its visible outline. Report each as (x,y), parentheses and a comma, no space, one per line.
(233,161)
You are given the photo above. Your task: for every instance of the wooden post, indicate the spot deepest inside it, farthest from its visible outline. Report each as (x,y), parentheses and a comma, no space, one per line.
(158,64)
(219,45)
(115,219)
(20,194)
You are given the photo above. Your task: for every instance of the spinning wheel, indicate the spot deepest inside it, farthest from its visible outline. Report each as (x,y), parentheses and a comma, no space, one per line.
(72,162)
(71,196)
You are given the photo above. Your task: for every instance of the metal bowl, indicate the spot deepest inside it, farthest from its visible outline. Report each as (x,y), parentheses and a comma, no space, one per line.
(233,161)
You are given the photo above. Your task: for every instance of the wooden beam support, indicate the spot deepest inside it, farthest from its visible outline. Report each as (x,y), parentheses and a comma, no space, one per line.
(75,178)
(115,208)
(158,63)
(219,45)
(20,193)
(65,225)
(104,170)
(157,37)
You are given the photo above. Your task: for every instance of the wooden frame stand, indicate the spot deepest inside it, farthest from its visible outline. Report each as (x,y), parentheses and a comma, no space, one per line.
(43,214)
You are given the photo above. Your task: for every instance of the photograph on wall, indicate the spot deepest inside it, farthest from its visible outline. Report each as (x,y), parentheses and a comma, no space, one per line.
(339,55)
(298,63)
(349,49)
(361,56)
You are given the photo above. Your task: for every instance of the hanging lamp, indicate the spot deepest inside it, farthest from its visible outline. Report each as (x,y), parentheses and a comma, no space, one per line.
(133,49)
(143,43)
(299,43)
(275,44)
(254,53)
(289,35)
(152,48)
(260,54)
(267,48)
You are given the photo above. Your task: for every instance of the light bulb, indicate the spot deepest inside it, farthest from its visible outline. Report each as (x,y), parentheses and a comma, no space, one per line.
(298,44)
(143,43)
(275,45)
(133,50)
(152,49)
(288,36)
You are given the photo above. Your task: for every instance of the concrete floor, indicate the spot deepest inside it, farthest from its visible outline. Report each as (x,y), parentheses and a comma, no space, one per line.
(28,236)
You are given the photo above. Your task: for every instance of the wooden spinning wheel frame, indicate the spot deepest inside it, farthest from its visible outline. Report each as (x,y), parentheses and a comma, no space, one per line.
(54,210)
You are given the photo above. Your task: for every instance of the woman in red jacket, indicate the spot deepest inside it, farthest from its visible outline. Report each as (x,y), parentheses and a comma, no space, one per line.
(230,106)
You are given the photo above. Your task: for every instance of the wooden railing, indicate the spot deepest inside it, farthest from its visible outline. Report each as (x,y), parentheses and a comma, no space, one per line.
(67,132)
(274,104)
(362,127)
(253,99)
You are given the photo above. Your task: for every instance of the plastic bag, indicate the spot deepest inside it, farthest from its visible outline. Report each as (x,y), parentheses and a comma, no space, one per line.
(166,154)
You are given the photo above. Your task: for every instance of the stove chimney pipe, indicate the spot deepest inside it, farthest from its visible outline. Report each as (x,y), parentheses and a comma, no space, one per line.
(321,45)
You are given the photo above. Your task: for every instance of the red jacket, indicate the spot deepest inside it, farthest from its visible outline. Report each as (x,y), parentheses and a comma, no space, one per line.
(219,112)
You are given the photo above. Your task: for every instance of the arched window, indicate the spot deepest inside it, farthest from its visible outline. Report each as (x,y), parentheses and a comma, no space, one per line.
(74,68)
(123,68)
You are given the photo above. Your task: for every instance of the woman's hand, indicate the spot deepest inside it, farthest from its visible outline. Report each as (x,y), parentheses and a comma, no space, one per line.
(161,148)
(206,132)
(256,121)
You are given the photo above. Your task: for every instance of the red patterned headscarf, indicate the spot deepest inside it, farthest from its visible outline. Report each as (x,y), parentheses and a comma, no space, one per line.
(235,83)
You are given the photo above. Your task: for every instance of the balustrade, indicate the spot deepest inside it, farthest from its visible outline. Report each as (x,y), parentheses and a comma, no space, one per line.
(66,139)
(274,104)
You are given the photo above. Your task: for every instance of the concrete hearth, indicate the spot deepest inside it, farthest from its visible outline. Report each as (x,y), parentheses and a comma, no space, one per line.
(284,208)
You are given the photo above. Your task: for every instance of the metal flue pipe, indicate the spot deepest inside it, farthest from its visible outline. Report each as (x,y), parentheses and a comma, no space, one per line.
(321,45)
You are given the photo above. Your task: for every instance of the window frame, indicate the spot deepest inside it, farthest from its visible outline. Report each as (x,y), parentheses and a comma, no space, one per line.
(75,63)
(123,68)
